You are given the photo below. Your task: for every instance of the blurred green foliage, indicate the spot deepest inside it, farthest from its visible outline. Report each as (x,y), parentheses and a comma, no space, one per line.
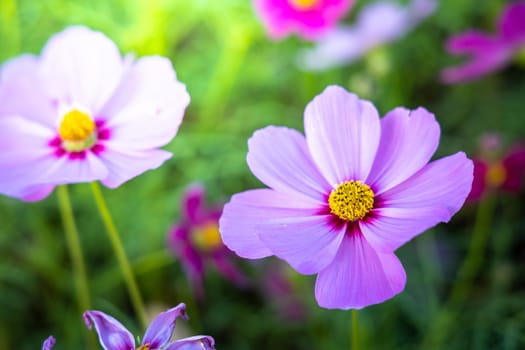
(240,81)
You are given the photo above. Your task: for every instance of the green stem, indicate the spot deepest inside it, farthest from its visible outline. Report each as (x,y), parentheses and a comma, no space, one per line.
(114,237)
(440,328)
(75,248)
(355,330)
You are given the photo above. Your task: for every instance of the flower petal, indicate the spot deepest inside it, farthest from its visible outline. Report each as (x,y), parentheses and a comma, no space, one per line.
(432,195)
(193,203)
(111,333)
(408,141)
(81,66)
(342,133)
(148,106)
(198,342)
(359,276)
(161,328)
(31,161)
(123,164)
(308,244)
(512,24)
(290,169)
(22,92)
(48,343)
(248,209)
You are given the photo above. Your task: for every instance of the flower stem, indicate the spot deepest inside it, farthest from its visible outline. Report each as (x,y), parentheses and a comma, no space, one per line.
(444,320)
(355,330)
(75,249)
(125,266)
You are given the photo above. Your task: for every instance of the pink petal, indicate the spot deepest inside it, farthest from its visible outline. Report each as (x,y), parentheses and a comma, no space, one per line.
(22,92)
(472,42)
(408,141)
(123,165)
(31,162)
(479,184)
(49,343)
(198,342)
(193,203)
(342,133)
(81,66)
(161,328)
(432,195)
(111,333)
(246,210)
(148,106)
(512,24)
(279,157)
(308,244)
(359,276)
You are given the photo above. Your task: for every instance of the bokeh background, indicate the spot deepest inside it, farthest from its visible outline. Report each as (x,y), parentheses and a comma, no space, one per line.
(240,81)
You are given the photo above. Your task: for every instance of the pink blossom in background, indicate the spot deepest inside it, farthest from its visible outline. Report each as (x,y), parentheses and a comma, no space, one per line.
(488,52)
(196,241)
(48,343)
(114,336)
(345,196)
(496,170)
(309,19)
(81,112)
(377,24)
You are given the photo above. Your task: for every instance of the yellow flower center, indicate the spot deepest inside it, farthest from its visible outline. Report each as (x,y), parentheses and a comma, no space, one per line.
(207,237)
(496,175)
(304,4)
(77,131)
(143,347)
(351,200)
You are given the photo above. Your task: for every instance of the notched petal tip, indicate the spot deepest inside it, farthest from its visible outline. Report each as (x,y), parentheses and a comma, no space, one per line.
(161,328)
(111,333)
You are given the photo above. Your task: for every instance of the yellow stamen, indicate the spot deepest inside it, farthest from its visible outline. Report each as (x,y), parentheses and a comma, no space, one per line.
(77,131)
(207,237)
(303,4)
(143,347)
(496,175)
(351,200)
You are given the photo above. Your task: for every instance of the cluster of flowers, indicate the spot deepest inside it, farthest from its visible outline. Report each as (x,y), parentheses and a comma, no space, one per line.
(341,199)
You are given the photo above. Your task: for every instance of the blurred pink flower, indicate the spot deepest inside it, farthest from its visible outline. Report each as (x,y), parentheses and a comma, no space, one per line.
(494,171)
(195,240)
(114,336)
(346,196)
(80,113)
(48,343)
(308,19)
(378,23)
(488,52)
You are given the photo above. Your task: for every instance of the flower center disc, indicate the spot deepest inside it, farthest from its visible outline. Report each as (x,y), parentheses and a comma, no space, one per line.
(303,4)
(207,237)
(143,347)
(77,131)
(351,200)
(496,175)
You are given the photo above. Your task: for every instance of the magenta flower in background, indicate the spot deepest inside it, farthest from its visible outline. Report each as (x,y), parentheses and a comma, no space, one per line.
(495,170)
(114,336)
(80,113)
(195,240)
(488,52)
(377,24)
(48,343)
(309,19)
(346,196)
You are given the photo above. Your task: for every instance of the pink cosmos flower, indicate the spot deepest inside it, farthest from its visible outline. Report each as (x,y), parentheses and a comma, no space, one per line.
(48,343)
(80,113)
(196,240)
(114,336)
(307,18)
(488,52)
(378,23)
(344,197)
(494,171)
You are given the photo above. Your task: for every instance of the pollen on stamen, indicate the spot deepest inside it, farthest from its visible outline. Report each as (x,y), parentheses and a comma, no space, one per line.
(77,131)
(351,200)
(303,4)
